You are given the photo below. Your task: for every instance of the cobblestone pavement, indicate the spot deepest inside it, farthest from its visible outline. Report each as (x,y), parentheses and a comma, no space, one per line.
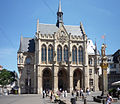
(37,99)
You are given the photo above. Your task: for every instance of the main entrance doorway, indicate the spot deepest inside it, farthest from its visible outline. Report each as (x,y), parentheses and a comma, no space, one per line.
(47,79)
(77,79)
(62,79)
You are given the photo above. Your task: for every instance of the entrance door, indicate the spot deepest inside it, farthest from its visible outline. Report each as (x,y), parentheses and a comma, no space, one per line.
(77,79)
(47,79)
(62,80)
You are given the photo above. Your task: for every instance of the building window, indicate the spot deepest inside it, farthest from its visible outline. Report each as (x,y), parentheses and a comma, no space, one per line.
(44,54)
(66,54)
(80,55)
(90,71)
(91,82)
(28,60)
(50,53)
(59,53)
(19,59)
(90,61)
(74,55)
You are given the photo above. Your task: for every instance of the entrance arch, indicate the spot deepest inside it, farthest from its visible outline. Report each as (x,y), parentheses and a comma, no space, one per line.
(47,79)
(62,79)
(77,79)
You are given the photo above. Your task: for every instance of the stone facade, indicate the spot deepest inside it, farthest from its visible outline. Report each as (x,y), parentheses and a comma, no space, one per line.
(57,58)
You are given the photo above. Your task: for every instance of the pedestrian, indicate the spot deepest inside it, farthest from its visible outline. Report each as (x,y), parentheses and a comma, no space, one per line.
(43,93)
(51,96)
(81,92)
(65,93)
(87,91)
(109,99)
(73,93)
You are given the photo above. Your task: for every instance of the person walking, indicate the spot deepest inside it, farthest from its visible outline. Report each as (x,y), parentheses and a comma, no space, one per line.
(109,99)
(43,93)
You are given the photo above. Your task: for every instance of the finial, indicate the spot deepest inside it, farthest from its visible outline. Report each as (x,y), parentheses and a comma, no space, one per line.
(59,8)
(82,29)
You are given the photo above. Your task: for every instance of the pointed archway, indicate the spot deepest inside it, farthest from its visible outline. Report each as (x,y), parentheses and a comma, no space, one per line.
(47,79)
(77,79)
(62,79)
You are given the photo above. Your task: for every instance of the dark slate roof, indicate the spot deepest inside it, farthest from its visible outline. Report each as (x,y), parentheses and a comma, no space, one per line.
(27,45)
(51,28)
(115,56)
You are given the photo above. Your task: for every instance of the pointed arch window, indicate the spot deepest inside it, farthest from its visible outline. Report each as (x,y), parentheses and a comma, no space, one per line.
(44,53)
(74,54)
(80,55)
(50,53)
(59,53)
(66,54)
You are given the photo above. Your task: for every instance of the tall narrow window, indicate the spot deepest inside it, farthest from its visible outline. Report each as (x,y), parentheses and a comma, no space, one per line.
(80,55)
(50,53)
(74,54)
(59,53)
(44,53)
(66,54)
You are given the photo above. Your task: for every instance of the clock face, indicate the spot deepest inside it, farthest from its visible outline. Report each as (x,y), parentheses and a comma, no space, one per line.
(28,60)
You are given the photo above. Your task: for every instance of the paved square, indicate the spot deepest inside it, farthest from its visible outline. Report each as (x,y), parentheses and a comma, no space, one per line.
(37,99)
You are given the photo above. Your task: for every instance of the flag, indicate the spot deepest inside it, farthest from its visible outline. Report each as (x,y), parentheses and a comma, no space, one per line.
(103,37)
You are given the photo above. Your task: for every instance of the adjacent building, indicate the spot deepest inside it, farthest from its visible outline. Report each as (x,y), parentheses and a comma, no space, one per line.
(58,57)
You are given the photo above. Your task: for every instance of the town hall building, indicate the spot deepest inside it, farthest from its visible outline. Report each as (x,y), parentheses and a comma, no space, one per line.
(58,57)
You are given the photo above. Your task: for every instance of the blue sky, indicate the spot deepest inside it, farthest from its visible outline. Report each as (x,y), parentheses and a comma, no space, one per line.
(19,17)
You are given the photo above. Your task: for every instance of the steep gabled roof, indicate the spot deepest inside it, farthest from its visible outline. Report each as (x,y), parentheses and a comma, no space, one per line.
(51,28)
(27,45)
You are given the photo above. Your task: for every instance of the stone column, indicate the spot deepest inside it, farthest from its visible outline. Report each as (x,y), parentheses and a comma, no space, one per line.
(39,80)
(85,64)
(55,79)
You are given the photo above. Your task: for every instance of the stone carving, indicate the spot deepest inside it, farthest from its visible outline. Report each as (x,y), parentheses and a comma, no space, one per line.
(62,38)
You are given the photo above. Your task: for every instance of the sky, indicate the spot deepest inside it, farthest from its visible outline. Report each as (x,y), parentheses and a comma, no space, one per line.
(19,17)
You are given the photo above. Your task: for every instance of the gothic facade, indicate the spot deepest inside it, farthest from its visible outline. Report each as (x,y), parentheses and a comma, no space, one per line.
(59,56)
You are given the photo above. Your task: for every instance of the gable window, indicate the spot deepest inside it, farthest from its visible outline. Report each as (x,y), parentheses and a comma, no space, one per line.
(59,53)
(66,54)
(50,53)
(44,54)
(74,55)
(80,55)
(90,61)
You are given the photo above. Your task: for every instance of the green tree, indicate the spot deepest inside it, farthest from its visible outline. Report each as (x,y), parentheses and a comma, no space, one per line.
(6,77)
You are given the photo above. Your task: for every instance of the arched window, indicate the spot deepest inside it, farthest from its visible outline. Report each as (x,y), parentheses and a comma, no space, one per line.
(74,54)
(19,59)
(44,53)
(80,55)
(66,54)
(50,53)
(90,61)
(59,53)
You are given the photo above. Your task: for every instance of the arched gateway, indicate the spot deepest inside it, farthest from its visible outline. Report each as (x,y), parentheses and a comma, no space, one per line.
(77,79)
(47,79)
(62,79)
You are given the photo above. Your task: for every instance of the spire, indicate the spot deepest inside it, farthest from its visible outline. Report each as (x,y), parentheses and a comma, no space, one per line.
(82,29)
(59,15)
(59,8)
(37,25)
(20,48)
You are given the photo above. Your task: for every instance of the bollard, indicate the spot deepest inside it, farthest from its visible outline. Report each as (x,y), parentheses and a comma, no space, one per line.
(85,100)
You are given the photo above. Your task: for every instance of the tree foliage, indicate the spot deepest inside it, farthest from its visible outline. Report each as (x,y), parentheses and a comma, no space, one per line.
(6,77)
